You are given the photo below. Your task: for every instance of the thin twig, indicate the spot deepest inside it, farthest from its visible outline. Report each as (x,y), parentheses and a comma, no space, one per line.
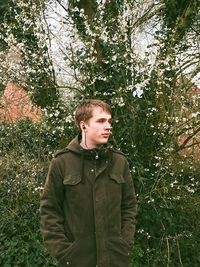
(179,253)
(168,252)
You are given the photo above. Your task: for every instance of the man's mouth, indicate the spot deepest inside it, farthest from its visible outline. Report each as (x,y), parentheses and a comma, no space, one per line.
(106,135)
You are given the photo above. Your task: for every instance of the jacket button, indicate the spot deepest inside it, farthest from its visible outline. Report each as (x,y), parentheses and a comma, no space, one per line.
(67,263)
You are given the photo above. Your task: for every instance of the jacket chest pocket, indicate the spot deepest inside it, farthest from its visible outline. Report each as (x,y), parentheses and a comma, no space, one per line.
(116,182)
(73,185)
(71,180)
(78,197)
(117,178)
(73,189)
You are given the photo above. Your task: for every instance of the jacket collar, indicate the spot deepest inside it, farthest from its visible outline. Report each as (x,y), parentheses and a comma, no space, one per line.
(90,154)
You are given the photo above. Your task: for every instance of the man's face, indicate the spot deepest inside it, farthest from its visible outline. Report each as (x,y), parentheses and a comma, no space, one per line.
(98,128)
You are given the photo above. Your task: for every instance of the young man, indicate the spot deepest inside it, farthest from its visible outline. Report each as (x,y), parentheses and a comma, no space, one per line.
(88,205)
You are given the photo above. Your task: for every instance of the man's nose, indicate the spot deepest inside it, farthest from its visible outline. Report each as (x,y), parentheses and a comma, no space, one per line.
(108,126)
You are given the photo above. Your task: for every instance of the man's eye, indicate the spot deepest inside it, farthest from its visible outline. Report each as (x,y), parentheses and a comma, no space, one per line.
(103,120)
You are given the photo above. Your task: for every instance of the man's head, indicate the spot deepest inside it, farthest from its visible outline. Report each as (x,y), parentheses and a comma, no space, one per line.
(85,109)
(94,119)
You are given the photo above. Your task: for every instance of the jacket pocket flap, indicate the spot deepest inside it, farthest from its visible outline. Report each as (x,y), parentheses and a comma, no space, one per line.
(72,179)
(117,178)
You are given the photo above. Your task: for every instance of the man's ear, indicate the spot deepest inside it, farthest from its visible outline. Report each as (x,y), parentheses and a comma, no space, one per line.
(82,126)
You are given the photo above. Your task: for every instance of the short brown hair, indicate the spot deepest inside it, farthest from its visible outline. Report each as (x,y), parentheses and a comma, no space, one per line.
(84,110)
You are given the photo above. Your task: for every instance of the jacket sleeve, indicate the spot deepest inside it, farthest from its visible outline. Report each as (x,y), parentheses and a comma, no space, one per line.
(51,213)
(128,207)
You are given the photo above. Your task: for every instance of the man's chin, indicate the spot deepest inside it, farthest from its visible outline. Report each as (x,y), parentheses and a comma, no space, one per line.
(103,142)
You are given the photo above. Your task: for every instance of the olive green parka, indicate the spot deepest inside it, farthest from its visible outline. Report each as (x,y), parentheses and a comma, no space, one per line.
(88,208)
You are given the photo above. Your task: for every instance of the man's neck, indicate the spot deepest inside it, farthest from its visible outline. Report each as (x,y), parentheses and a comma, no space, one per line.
(84,145)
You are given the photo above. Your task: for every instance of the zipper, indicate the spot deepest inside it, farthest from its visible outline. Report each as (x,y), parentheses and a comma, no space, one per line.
(95,162)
